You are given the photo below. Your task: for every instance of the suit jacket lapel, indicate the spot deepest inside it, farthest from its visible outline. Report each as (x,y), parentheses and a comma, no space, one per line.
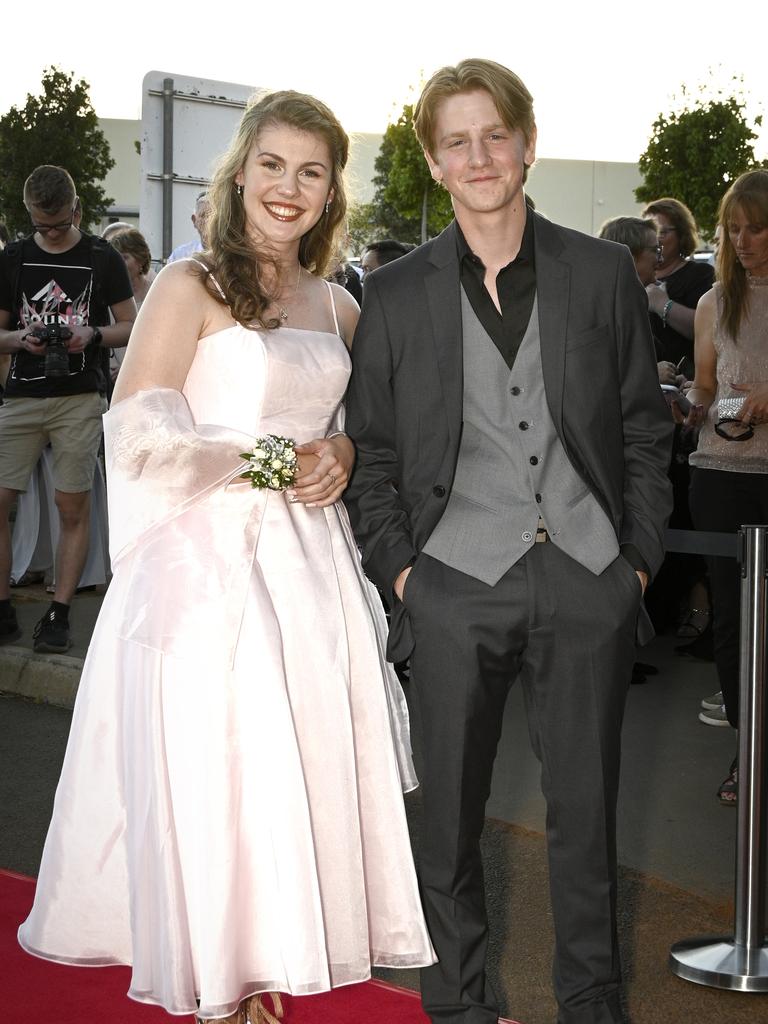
(553,279)
(442,285)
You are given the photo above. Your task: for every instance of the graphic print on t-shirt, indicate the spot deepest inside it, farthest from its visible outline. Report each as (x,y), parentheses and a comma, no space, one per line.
(77,288)
(52,303)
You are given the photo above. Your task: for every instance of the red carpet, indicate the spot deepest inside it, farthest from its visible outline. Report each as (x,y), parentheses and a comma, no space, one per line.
(34,991)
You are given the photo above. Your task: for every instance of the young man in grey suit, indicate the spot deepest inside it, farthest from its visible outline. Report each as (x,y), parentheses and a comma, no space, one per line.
(510,495)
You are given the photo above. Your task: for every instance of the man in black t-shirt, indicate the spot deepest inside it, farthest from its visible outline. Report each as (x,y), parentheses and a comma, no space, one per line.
(59,278)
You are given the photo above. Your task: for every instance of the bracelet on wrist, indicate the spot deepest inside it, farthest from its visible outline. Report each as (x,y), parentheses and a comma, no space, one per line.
(665,312)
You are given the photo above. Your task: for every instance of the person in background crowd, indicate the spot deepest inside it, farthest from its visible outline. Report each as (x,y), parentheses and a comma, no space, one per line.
(513,542)
(680,282)
(729,485)
(378,254)
(114,228)
(35,535)
(712,260)
(199,219)
(235,683)
(344,274)
(5,360)
(133,247)
(680,589)
(58,288)
(639,236)
(119,227)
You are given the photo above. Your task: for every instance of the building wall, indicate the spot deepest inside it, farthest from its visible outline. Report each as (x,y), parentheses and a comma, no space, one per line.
(582,194)
(123,182)
(577,193)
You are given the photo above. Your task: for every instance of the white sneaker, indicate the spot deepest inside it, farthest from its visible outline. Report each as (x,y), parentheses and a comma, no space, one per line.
(714,716)
(714,702)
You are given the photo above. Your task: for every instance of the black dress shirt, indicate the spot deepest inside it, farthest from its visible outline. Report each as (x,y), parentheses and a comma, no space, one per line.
(516,289)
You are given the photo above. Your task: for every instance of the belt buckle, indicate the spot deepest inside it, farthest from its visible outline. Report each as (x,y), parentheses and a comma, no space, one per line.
(541,532)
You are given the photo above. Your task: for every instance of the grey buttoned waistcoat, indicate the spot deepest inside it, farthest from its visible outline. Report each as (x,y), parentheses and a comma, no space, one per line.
(512,468)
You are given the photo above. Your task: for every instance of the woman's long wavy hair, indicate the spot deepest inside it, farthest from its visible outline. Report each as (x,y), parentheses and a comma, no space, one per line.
(232,259)
(749,195)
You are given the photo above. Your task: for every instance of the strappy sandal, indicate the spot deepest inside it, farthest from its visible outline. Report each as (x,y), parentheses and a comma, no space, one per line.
(728,791)
(259,1014)
(251,1011)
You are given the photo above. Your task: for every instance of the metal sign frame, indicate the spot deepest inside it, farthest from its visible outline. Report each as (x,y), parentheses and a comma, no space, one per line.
(187,123)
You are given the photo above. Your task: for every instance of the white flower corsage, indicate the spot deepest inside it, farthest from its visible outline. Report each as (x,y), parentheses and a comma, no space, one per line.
(273,463)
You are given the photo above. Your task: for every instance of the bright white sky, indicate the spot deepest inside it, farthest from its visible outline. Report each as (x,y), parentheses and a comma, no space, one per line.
(600,72)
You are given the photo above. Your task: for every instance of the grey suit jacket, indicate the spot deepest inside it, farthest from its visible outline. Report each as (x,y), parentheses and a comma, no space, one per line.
(404,404)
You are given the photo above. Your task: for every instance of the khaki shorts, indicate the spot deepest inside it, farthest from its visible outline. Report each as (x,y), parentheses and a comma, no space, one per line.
(71,424)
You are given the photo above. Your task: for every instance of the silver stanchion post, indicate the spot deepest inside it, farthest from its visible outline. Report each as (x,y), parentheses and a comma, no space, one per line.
(741,962)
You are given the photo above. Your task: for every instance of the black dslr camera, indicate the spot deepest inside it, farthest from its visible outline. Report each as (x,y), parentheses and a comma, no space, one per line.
(55,337)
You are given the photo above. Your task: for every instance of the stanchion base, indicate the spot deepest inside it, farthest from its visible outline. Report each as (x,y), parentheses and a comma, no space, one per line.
(719,962)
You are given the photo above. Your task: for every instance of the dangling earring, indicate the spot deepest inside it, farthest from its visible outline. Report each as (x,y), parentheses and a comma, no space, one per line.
(327,206)
(239,190)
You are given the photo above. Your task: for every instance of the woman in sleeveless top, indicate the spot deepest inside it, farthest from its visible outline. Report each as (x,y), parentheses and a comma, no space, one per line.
(730,480)
(229,819)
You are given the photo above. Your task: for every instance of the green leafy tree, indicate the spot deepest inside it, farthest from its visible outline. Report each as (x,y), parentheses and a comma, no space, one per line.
(362,226)
(695,153)
(58,127)
(407,204)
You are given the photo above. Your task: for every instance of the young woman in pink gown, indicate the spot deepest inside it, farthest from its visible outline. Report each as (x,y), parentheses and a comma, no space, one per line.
(229,819)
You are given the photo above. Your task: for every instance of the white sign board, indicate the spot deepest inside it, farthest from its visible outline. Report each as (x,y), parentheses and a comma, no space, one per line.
(187,123)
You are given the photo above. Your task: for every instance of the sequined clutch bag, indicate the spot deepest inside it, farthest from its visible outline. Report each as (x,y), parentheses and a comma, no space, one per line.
(730,408)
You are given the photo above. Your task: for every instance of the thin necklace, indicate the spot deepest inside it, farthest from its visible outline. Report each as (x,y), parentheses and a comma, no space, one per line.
(282,311)
(677,266)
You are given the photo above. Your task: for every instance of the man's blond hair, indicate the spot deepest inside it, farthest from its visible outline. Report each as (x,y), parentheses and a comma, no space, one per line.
(513,101)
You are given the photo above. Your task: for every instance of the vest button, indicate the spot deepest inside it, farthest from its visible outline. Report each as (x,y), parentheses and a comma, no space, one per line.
(439,491)
(527,536)
(538,497)
(515,390)
(534,460)
(523,425)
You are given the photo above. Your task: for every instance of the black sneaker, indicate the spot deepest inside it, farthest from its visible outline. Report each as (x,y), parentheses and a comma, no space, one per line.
(51,634)
(9,628)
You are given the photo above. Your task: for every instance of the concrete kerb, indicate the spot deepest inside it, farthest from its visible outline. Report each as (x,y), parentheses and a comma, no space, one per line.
(47,678)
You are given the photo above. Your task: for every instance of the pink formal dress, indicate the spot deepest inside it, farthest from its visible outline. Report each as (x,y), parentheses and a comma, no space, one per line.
(229,817)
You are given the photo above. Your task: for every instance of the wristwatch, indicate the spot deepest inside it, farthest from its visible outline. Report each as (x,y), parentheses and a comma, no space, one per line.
(97,336)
